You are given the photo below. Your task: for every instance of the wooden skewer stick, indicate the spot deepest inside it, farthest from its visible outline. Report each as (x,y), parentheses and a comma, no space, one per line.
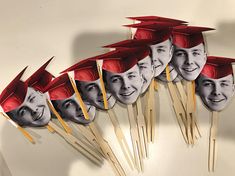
(142,129)
(78,145)
(177,105)
(89,136)
(212,142)
(121,138)
(184,100)
(22,130)
(151,114)
(190,114)
(109,154)
(135,139)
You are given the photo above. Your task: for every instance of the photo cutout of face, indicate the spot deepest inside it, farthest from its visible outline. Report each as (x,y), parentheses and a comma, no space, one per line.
(161,55)
(34,111)
(189,62)
(125,87)
(91,91)
(70,109)
(173,74)
(146,71)
(215,93)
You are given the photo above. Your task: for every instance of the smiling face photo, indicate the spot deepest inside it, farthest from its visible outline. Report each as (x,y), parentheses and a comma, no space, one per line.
(91,91)
(125,87)
(215,93)
(189,62)
(34,111)
(161,55)
(70,109)
(146,71)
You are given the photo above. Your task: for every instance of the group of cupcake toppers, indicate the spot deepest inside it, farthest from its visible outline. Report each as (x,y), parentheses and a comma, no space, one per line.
(158,49)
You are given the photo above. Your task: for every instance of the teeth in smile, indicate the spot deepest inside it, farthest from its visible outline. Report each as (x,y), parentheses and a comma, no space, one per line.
(127,94)
(189,69)
(216,101)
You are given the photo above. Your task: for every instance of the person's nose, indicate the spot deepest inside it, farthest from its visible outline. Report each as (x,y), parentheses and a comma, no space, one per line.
(189,59)
(217,90)
(34,110)
(125,83)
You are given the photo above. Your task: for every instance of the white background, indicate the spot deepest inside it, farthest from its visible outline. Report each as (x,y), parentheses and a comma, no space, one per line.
(33,31)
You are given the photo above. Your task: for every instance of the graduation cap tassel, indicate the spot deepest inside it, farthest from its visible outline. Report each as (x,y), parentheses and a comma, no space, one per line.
(212,142)
(22,130)
(62,122)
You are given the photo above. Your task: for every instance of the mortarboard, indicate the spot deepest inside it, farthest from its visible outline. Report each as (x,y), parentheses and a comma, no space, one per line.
(14,94)
(217,67)
(85,70)
(40,79)
(188,36)
(153,32)
(156,18)
(122,59)
(60,88)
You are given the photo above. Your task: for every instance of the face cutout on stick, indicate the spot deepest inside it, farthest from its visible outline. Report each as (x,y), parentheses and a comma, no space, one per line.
(126,87)
(92,92)
(216,93)
(65,101)
(161,55)
(34,111)
(189,51)
(189,61)
(70,109)
(215,84)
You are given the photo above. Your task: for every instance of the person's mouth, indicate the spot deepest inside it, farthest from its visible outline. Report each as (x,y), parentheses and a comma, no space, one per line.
(189,69)
(101,100)
(216,100)
(164,72)
(156,66)
(39,116)
(126,94)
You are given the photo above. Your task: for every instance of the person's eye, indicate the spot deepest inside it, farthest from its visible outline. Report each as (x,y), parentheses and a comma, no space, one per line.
(114,80)
(31,100)
(159,50)
(90,88)
(142,67)
(68,104)
(208,84)
(196,53)
(22,112)
(180,54)
(131,76)
(224,84)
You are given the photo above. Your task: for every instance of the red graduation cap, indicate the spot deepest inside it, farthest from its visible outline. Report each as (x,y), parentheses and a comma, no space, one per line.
(153,32)
(85,70)
(156,18)
(123,59)
(60,88)
(14,94)
(40,79)
(188,36)
(129,44)
(217,67)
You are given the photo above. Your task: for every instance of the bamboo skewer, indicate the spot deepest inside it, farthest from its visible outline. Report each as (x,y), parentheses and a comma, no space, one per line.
(142,129)
(109,154)
(151,114)
(121,138)
(78,145)
(135,139)
(22,130)
(212,142)
(89,136)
